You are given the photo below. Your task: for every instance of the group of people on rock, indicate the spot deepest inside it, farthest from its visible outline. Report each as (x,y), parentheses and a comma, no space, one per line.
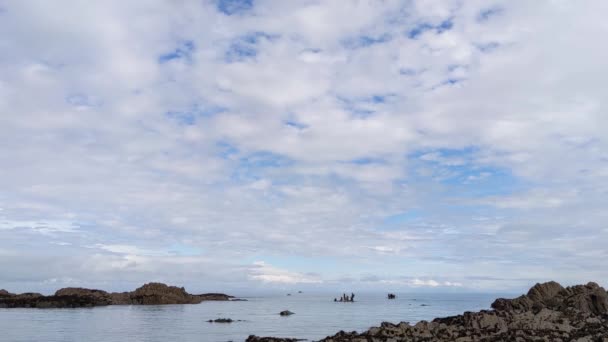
(346,298)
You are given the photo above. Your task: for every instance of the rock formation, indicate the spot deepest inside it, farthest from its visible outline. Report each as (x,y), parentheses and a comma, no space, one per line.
(286,313)
(549,312)
(253,338)
(71,297)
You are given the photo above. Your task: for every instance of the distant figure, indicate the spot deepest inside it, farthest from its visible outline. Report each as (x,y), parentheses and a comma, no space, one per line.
(335,300)
(391,296)
(352,297)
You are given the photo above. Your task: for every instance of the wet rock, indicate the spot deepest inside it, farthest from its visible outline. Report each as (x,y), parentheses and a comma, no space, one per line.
(253,338)
(221,320)
(72,297)
(213,296)
(36,300)
(286,313)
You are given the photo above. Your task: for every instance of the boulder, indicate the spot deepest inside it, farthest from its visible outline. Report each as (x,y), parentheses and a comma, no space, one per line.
(286,313)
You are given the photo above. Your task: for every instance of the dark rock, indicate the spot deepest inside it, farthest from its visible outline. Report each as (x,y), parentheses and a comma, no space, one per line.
(36,300)
(213,296)
(253,338)
(121,298)
(5,294)
(238,300)
(286,313)
(148,294)
(159,293)
(221,320)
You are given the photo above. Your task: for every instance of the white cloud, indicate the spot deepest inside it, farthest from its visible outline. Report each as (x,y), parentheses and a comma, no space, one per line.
(310,141)
(267,273)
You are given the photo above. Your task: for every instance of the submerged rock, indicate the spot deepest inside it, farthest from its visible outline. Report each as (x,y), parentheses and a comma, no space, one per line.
(221,320)
(253,338)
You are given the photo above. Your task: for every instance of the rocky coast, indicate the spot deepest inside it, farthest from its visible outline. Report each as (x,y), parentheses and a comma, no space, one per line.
(548,312)
(72,297)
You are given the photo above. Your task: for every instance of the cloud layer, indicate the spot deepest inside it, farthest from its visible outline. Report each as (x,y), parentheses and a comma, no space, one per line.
(360,144)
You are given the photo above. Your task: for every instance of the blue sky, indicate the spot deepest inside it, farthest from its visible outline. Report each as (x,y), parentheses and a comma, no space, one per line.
(243,145)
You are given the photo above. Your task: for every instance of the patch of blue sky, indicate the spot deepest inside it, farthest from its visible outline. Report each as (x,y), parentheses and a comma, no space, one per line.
(414,215)
(183,250)
(368,161)
(265,160)
(421,28)
(408,72)
(226,150)
(257,165)
(295,124)
(189,116)
(487,47)
(360,107)
(232,7)
(488,13)
(365,41)
(246,46)
(183,51)
(82,100)
(462,174)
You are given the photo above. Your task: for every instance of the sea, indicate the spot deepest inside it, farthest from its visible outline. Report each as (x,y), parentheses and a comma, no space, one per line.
(315,317)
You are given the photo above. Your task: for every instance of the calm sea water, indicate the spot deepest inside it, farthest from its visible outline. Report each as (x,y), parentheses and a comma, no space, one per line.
(316,316)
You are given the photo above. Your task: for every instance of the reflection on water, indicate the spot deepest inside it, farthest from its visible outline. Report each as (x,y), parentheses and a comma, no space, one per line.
(315,317)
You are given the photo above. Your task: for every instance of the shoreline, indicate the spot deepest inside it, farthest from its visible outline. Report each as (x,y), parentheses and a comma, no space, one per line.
(548,312)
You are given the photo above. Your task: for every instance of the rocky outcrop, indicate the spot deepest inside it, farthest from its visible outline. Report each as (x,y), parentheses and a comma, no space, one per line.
(548,312)
(158,293)
(71,297)
(63,300)
(5,294)
(216,296)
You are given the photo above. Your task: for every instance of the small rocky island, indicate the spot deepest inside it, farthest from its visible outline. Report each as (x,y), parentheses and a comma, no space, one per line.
(549,312)
(72,297)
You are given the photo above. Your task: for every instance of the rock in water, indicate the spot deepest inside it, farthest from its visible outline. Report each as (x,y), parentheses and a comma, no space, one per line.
(253,338)
(286,313)
(221,320)
(159,293)
(73,297)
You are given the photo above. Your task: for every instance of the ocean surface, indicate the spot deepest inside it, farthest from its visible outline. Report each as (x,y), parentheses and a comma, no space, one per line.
(316,316)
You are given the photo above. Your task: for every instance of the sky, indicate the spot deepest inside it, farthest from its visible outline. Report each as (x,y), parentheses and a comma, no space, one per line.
(250,145)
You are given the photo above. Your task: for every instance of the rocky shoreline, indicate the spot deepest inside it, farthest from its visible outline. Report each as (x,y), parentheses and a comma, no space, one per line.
(548,312)
(73,297)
